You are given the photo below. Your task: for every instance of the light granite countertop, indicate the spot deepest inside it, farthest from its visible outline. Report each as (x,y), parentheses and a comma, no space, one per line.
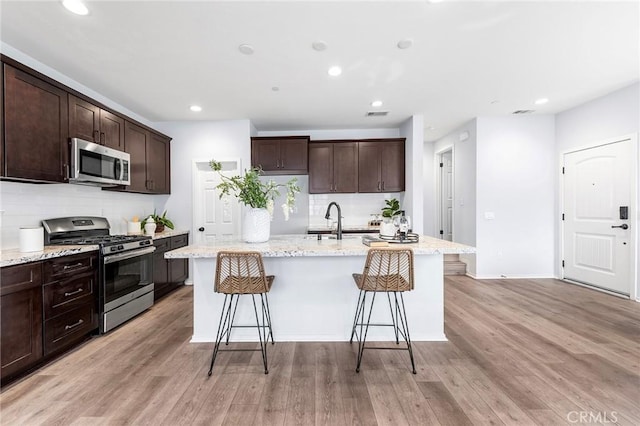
(309,245)
(13,256)
(10,257)
(169,233)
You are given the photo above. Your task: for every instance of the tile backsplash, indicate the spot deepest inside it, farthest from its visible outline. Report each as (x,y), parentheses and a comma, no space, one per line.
(24,204)
(356,208)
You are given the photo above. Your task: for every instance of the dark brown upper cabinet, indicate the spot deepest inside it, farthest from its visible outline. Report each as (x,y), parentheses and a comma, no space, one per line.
(35,128)
(92,123)
(158,164)
(381,165)
(282,155)
(333,167)
(150,153)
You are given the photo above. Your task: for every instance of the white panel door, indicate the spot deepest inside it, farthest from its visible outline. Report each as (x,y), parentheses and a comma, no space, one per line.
(446,196)
(215,218)
(597,183)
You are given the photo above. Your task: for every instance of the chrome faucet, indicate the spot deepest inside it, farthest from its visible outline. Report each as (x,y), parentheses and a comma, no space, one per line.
(328,214)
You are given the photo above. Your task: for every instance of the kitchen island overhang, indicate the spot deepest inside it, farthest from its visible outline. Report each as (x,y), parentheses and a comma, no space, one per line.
(314,296)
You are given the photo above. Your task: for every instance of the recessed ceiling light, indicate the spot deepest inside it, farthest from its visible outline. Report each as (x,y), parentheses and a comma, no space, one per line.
(376,104)
(195,108)
(405,43)
(319,45)
(335,71)
(76,6)
(542,101)
(247,49)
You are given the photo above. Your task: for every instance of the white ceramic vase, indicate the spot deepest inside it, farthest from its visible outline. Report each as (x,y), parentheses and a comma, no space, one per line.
(387,228)
(256,227)
(150,226)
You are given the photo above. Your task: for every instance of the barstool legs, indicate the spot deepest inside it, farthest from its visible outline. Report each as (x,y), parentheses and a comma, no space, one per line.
(225,325)
(399,323)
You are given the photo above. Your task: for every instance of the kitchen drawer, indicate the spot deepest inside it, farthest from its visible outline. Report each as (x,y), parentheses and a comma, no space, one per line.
(179,241)
(68,328)
(76,264)
(163,244)
(20,277)
(61,296)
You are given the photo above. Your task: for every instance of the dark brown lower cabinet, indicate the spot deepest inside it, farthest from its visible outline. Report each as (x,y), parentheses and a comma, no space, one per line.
(21,317)
(46,308)
(70,300)
(169,274)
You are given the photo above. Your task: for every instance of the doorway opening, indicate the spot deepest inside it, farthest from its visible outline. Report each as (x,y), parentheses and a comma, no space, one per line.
(445,194)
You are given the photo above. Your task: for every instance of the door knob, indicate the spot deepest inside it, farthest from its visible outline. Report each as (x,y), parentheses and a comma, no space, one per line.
(201,229)
(623,226)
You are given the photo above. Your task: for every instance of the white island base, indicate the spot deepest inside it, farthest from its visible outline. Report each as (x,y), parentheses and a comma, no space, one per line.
(314,297)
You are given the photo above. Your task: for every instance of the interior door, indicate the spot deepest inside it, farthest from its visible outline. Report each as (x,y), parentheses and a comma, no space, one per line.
(446,196)
(598,235)
(214,218)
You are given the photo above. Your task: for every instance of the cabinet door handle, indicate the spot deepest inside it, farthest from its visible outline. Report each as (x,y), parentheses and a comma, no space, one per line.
(379,186)
(102,138)
(76,265)
(71,293)
(96,136)
(383,185)
(74,325)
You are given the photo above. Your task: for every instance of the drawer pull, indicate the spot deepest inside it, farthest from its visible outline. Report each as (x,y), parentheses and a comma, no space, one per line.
(77,265)
(69,327)
(73,292)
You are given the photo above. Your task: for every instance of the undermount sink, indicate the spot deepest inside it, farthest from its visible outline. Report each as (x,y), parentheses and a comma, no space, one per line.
(332,237)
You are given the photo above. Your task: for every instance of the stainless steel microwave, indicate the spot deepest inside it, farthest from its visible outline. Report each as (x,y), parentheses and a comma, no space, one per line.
(95,164)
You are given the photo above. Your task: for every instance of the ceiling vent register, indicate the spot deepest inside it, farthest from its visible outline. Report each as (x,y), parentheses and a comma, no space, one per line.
(524,111)
(377,113)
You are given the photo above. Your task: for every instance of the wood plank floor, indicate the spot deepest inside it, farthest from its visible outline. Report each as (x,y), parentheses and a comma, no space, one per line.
(521,352)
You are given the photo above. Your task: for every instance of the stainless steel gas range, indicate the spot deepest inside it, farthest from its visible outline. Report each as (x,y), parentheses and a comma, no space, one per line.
(126,265)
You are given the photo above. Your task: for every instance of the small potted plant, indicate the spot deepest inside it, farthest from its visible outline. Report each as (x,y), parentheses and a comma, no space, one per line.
(392,208)
(161,221)
(259,197)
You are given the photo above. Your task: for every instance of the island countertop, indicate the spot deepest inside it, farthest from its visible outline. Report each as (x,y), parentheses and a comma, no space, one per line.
(310,246)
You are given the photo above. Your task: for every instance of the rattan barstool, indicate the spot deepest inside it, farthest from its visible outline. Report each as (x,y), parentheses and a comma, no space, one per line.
(389,271)
(237,274)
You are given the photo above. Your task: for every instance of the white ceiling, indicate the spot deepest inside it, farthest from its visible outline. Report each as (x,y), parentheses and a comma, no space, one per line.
(468,58)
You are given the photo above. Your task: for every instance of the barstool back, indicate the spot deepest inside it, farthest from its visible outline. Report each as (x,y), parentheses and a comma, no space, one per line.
(241,273)
(387,270)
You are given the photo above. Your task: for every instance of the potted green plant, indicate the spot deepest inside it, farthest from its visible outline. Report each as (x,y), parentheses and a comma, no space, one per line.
(391,209)
(161,221)
(259,197)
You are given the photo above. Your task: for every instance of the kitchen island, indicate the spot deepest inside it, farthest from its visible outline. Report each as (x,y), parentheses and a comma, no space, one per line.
(314,296)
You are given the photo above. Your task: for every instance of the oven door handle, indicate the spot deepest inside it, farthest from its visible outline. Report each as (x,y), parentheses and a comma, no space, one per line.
(128,255)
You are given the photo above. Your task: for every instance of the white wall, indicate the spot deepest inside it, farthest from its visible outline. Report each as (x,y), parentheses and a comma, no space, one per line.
(329,134)
(200,140)
(515,184)
(429,191)
(413,131)
(26,204)
(611,116)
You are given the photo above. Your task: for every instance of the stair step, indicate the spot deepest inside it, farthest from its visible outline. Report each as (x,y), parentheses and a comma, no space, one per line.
(453,265)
